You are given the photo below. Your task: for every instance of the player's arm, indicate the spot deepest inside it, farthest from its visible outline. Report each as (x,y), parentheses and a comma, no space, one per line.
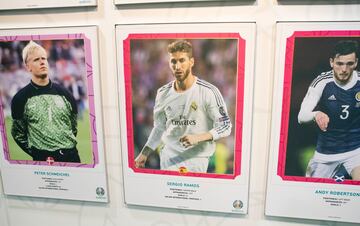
(307,113)
(19,133)
(217,111)
(140,160)
(193,139)
(154,138)
(19,127)
(73,119)
(73,111)
(152,143)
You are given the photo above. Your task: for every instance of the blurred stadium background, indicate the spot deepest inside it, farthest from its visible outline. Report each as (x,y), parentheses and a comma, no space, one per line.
(215,62)
(66,67)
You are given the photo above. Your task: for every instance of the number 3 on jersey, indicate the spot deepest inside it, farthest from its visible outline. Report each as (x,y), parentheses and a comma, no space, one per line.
(345,112)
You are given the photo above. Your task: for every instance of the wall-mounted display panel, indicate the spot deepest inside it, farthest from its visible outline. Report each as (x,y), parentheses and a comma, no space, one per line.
(32,4)
(314,166)
(50,114)
(186,126)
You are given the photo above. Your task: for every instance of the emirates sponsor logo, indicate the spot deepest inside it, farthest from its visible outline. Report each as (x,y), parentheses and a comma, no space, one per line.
(183,122)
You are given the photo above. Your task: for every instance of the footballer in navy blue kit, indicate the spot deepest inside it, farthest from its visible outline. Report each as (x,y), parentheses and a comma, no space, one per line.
(333,103)
(190,114)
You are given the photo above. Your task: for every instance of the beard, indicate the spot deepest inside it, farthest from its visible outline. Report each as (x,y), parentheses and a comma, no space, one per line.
(184,77)
(342,78)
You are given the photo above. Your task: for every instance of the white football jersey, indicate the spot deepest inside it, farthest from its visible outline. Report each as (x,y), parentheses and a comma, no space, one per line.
(199,109)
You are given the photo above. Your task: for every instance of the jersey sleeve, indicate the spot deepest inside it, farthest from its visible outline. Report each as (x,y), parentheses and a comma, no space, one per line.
(154,138)
(217,111)
(73,119)
(74,111)
(311,99)
(19,124)
(19,133)
(68,96)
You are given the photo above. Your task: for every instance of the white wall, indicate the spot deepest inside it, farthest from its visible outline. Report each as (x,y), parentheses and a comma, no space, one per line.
(21,211)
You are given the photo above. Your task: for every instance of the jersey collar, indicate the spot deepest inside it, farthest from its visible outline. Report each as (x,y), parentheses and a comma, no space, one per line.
(354,78)
(37,87)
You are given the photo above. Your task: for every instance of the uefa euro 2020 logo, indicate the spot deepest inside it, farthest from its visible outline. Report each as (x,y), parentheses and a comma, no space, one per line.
(100,191)
(238,204)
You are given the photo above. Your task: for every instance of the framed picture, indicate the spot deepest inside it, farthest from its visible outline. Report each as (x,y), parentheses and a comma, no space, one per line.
(314,159)
(186,132)
(126,2)
(32,4)
(50,114)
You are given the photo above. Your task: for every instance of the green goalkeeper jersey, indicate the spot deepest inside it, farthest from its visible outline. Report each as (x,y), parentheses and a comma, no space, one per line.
(44,117)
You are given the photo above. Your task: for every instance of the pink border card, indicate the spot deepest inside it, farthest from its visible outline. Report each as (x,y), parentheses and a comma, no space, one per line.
(239,99)
(90,93)
(286,100)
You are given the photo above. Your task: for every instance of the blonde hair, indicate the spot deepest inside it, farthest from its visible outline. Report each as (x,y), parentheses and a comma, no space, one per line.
(29,48)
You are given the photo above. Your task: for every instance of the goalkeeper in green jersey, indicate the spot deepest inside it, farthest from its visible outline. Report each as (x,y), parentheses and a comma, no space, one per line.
(44,113)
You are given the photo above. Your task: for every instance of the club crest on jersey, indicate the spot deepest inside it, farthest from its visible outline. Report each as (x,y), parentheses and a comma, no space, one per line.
(357,96)
(194,106)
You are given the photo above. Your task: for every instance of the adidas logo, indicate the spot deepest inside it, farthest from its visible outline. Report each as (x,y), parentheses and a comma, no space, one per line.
(332,97)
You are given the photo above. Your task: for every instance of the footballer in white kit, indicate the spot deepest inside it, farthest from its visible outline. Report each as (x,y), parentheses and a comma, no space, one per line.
(189,116)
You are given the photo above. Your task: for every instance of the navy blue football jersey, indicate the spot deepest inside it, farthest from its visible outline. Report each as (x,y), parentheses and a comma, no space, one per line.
(342,105)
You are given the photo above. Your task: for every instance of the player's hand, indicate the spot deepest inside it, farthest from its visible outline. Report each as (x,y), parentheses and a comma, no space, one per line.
(189,140)
(142,157)
(140,161)
(322,120)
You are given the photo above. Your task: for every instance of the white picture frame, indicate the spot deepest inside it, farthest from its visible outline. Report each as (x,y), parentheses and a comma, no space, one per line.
(35,4)
(303,51)
(73,56)
(181,189)
(127,2)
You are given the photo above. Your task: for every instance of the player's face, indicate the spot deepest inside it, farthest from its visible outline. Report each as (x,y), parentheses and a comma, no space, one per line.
(343,66)
(181,64)
(37,63)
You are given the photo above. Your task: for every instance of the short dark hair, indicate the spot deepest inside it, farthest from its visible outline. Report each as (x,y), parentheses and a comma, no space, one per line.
(181,46)
(345,47)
